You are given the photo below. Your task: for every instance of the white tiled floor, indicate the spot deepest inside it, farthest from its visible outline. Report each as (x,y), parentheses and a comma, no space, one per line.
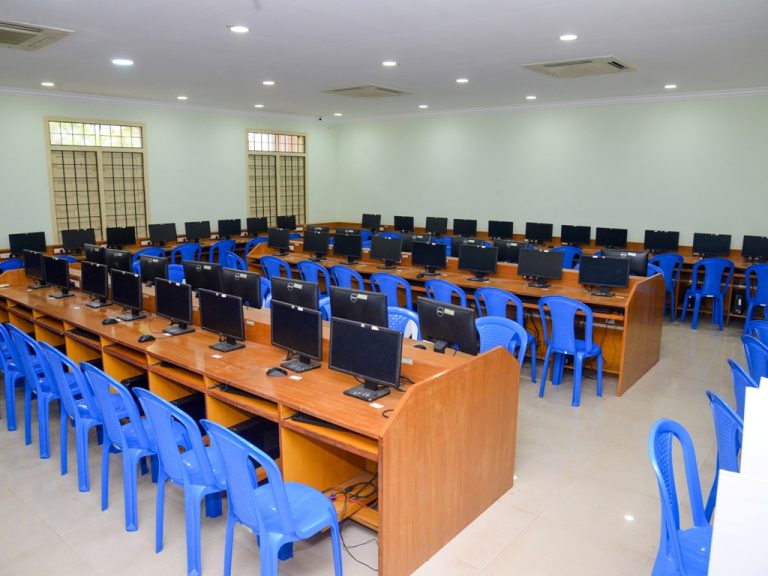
(580,472)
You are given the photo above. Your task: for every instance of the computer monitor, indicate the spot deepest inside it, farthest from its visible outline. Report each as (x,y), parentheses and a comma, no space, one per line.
(436,226)
(230,227)
(316,241)
(299,331)
(152,267)
(387,249)
(403,223)
(638,259)
(431,256)
(126,292)
(203,275)
(458,241)
(500,229)
(509,251)
(120,236)
(538,232)
(279,239)
(447,325)
(369,353)
(711,244)
(256,225)
(343,230)
(223,314)
(538,266)
(118,259)
(196,231)
(56,272)
(318,228)
(95,253)
(34,241)
(599,274)
(74,240)
(33,268)
(575,235)
(359,305)
(299,292)
(287,222)
(247,285)
(611,237)
(409,239)
(349,246)
(754,248)
(159,234)
(661,240)
(464,227)
(173,300)
(478,259)
(94,281)
(371,222)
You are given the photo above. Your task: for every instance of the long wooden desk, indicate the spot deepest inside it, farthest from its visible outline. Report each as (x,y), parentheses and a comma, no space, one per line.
(442,455)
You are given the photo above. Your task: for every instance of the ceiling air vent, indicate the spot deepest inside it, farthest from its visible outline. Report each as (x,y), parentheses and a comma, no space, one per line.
(24,36)
(367,91)
(582,67)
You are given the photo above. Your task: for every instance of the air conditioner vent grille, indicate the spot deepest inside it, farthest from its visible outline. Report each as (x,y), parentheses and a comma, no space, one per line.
(581,67)
(367,91)
(23,36)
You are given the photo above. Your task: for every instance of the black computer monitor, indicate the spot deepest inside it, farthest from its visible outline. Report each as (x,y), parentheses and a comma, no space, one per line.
(34,241)
(56,272)
(359,305)
(94,281)
(409,239)
(74,240)
(299,292)
(478,259)
(509,251)
(196,231)
(300,331)
(317,228)
(223,314)
(256,225)
(599,274)
(203,275)
(431,256)
(349,246)
(611,237)
(33,268)
(638,259)
(575,235)
(279,239)
(711,244)
(500,229)
(120,236)
(754,248)
(661,240)
(464,227)
(152,267)
(369,353)
(538,266)
(316,241)
(447,325)
(95,253)
(118,259)
(173,300)
(387,249)
(247,285)
(126,291)
(230,227)
(538,232)
(403,223)
(159,234)
(458,241)
(371,222)
(287,222)
(437,226)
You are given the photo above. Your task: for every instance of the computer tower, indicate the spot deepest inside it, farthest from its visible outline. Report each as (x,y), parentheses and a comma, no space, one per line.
(194,405)
(260,432)
(737,306)
(138,381)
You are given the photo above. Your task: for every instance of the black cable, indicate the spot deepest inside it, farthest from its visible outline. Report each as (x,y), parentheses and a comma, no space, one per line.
(386,412)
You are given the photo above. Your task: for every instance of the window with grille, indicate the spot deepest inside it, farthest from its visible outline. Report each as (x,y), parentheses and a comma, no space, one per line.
(277,175)
(98,177)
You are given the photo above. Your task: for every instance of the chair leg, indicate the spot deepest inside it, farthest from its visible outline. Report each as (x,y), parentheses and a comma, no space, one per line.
(10,401)
(686,299)
(558,364)
(105,475)
(229,542)
(192,503)
(533,361)
(43,412)
(696,310)
(130,481)
(160,507)
(600,374)
(578,360)
(336,545)
(672,311)
(720,311)
(543,377)
(27,415)
(81,449)
(63,423)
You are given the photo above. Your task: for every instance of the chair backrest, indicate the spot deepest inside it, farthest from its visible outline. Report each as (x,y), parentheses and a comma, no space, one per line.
(404,320)
(729,428)
(55,366)
(175,272)
(671,264)
(366,235)
(66,258)
(757,284)
(757,357)
(253,242)
(188,251)
(234,261)
(717,274)
(497,331)
(571,255)
(8,346)
(344,275)
(562,315)
(274,266)
(266,292)
(741,381)
(495,301)
(444,291)
(389,284)
(5,349)
(443,240)
(759,329)
(29,352)
(11,264)
(312,272)
(653,270)
(390,235)
(150,251)
(218,251)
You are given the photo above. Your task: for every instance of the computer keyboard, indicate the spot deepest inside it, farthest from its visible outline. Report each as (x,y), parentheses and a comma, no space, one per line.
(307,419)
(239,391)
(83,333)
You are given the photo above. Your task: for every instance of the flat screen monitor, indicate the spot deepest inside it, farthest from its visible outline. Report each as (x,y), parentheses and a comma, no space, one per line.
(611,237)
(538,232)
(223,314)
(94,253)
(371,222)
(173,300)
(118,259)
(458,241)
(575,235)
(479,259)
(369,353)
(229,227)
(538,266)
(56,273)
(34,241)
(755,248)
(711,244)
(638,260)
(299,292)
(94,281)
(409,239)
(316,241)
(403,223)
(464,227)
(509,251)
(662,240)
(280,240)
(387,249)
(500,229)
(247,285)
(159,234)
(203,275)
(317,228)
(299,331)
(33,268)
(287,222)
(447,325)
(196,231)
(431,256)
(599,274)
(152,267)
(126,292)
(349,246)
(359,305)
(256,225)
(120,236)
(74,240)
(436,226)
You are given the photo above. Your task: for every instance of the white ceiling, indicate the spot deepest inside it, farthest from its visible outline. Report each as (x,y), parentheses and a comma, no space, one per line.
(307,46)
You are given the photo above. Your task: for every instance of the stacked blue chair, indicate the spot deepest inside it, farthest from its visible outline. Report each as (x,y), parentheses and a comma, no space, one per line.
(218,251)
(278,512)
(571,255)
(175,272)
(150,251)
(313,272)
(344,277)
(741,381)
(653,270)
(759,329)
(274,266)
(266,292)
(11,264)
(716,275)
(562,341)
(757,357)
(390,284)
(756,291)
(729,428)
(671,265)
(444,291)
(67,258)
(366,235)
(680,551)
(404,320)
(497,331)
(13,375)
(253,242)
(390,234)
(234,261)
(444,240)
(188,251)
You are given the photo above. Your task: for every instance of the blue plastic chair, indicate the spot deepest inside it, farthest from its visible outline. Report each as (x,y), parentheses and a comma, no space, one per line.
(343,276)
(729,428)
(681,552)
(443,240)
(188,251)
(712,286)
(11,264)
(756,291)
(757,357)
(671,265)
(366,235)
(759,329)
(325,308)
(404,320)
(266,292)
(652,270)
(234,261)
(278,512)
(390,234)
(390,284)
(187,463)
(151,251)
(571,255)
(497,331)
(253,242)
(274,266)
(314,272)
(66,258)
(562,341)
(741,381)
(218,251)
(13,375)
(444,291)
(175,272)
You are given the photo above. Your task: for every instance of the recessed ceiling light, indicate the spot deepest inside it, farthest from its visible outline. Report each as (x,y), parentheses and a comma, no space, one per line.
(568,37)
(670,86)
(629,518)
(239,29)
(423,106)
(531,97)
(462,80)
(47,84)
(122,62)
(268,83)
(258,105)
(389,63)
(338,114)
(181,97)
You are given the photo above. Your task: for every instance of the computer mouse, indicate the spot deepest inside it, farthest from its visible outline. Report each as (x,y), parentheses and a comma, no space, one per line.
(109,321)
(146,338)
(277,371)
(420,346)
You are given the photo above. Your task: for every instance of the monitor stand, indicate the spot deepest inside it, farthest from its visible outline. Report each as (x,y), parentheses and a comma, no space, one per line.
(388,265)
(300,364)
(130,314)
(99,303)
(369,392)
(227,344)
(282,252)
(63,294)
(439,346)
(38,286)
(351,260)
(479,277)
(430,271)
(318,257)
(538,282)
(180,328)
(602,291)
